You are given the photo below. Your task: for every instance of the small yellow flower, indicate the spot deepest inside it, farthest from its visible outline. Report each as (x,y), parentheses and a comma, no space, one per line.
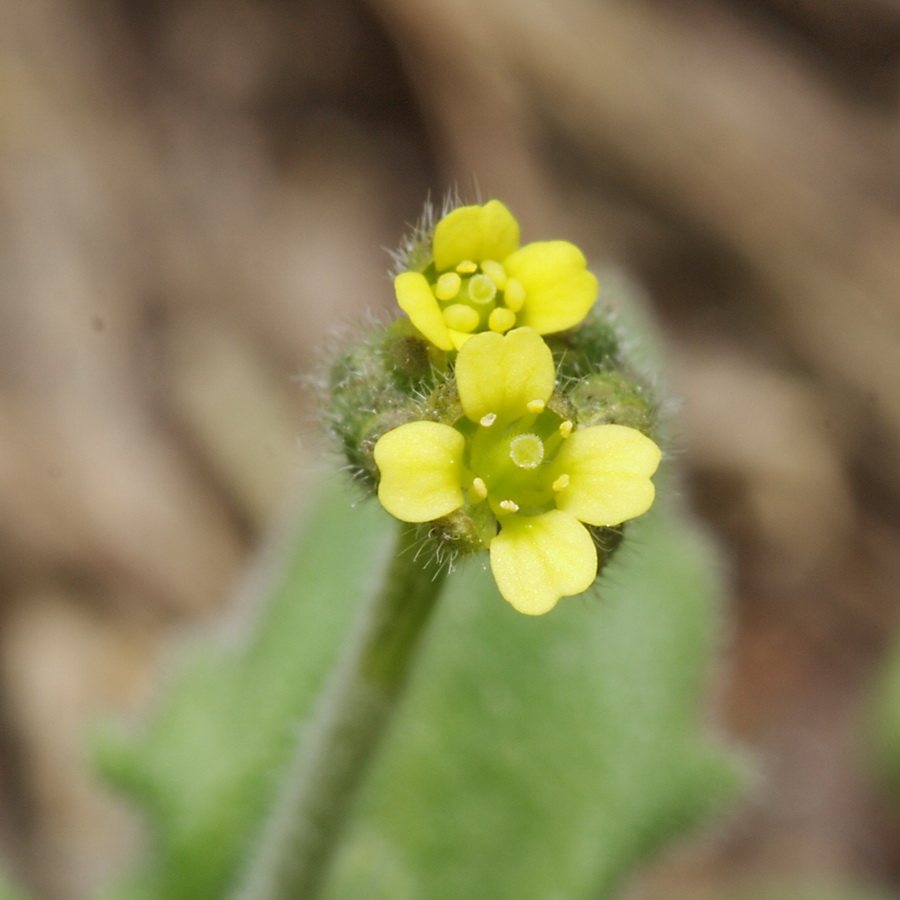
(540,477)
(481,280)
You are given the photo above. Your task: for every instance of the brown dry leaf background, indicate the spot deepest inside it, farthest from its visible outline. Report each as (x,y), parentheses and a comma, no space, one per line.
(194,195)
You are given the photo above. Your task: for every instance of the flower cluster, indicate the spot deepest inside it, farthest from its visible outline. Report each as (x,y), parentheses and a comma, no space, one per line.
(469,427)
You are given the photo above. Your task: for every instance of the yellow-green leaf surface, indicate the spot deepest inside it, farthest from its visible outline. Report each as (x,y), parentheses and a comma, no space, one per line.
(532,757)
(7,891)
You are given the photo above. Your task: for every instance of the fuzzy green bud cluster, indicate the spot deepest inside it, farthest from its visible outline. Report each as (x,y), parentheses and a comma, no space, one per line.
(528,417)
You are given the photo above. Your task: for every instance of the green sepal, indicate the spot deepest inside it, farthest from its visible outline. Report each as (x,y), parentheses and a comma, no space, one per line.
(607,540)
(468,529)
(444,405)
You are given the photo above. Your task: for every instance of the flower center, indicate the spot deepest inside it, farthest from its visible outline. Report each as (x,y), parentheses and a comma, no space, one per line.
(512,464)
(479,297)
(526,451)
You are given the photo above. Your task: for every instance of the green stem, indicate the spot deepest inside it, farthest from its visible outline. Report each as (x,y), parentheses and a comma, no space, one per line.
(333,756)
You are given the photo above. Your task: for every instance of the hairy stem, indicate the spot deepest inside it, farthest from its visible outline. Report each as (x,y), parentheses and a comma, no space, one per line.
(334,754)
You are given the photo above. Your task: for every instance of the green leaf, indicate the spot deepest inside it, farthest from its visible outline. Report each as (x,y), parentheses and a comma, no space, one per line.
(532,757)
(209,760)
(7,891)
(547,757)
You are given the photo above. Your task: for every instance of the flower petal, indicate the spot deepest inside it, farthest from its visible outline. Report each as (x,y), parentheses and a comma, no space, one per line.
(609,469)
(419,303)
(476,233)
(502,374)
(559,290)
(538,559)
(421,471)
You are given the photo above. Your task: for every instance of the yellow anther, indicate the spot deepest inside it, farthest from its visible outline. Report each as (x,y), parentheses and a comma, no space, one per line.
(495,272)
(535,406)
(481,289)
(565,428)
(479,488)
(467,267)
(561,482)
(501,320)
(461,318)
(447,286)
(514,294)
(509,506)
(488,419)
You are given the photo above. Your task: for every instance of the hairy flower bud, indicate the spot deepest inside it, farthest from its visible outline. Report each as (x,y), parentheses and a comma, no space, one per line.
(373,386)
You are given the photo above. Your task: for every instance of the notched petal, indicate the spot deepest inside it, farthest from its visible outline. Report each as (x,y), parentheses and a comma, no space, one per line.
(559,289)
(538,559)
(502,374)
(475,233)
(609,469)
(421,471)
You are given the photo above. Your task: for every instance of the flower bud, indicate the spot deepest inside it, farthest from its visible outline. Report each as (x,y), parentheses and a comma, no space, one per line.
(613,398)
(373,386)
(598,382)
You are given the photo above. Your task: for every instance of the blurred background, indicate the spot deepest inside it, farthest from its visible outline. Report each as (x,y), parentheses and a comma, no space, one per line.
(195,198)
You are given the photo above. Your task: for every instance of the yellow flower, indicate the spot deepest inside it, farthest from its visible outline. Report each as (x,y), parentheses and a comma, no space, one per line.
(481,280)
(540,478)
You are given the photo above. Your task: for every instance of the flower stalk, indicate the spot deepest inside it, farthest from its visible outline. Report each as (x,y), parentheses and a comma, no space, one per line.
(333,757)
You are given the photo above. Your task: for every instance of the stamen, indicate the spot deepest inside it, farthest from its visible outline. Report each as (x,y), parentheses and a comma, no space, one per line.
(481,289)
(565,428)
(535,406)
(447,286)
(509,506)
(514,294)
(467,267)
(526,451)
(479,488)
(501,320)
(495,272)
(488,419)
(461,318)
(561,482)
